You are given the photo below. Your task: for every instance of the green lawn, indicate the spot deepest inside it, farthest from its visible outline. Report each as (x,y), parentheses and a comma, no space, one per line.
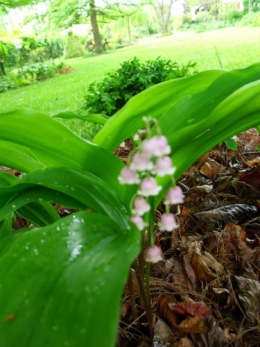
(236,48)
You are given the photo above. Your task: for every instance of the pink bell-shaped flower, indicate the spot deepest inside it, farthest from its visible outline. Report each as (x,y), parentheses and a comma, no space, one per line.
(128,176)
(139,222)
(153,254)
(168,222)
(141,162)
(156,146)
(141,206)
(174,196)
(163,166)
(149,187)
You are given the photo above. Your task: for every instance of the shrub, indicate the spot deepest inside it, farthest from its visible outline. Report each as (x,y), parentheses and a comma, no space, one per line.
(8,53)
(231,16)
(39,71)
(251,19)
(131,78)
(73,47)
(6,83)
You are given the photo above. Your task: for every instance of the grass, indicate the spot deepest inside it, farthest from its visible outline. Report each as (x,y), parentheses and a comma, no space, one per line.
(231,48)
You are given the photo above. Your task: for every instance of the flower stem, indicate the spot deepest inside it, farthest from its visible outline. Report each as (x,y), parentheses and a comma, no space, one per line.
(150,244)
(145,299)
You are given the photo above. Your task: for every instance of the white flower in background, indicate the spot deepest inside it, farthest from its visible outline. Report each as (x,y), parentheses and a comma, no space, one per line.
(168,222)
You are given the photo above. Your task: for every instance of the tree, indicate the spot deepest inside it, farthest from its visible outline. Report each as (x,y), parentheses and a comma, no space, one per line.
(163,10)
(64,13)
(16,3)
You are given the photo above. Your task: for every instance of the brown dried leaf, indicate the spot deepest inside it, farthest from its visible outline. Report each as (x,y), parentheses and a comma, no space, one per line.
(178,276)
(192,309)
(213,263)
(186,317)
(199,266)
(235,231)
(163,333)
(216,337)
(196,325)
(227,214)
(251,177)
(249,296)
(185,342)
(254,162)
(211,168)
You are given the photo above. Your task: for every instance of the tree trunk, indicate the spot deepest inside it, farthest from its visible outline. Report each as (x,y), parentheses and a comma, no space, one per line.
(95,28)
(163,12)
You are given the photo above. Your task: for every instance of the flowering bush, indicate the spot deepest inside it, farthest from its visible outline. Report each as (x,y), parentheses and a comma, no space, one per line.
(61,279)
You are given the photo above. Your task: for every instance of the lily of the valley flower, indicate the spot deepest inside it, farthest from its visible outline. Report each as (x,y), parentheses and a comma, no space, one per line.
(149,187)
(141,206)
(163,166)
(168,222)
(156,146)
(153,254)
(141,162)
(174,196)
(128,176)
(138,221)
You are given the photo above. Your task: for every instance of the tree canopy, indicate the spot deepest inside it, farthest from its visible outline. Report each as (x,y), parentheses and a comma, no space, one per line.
(17,3)
(65,13)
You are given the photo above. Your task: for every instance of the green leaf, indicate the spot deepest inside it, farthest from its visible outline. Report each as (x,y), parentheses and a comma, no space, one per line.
(231,144)
(68,187)
(238,112)
(61,285)
(52,144)
(197,107)
(94,118)
(5,227)
(13,153)
(152,102)
(40,213)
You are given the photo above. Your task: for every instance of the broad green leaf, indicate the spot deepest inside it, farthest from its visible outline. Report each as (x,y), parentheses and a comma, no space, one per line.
(197,107)
(5,227)
(6,179)
(39,213)
(238,112)
(61,285)
(68,187)
(152,102)
(94,118)
(52,144)
(12,153)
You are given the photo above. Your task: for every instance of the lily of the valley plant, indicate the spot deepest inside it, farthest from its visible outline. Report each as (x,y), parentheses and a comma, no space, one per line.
(61,279)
